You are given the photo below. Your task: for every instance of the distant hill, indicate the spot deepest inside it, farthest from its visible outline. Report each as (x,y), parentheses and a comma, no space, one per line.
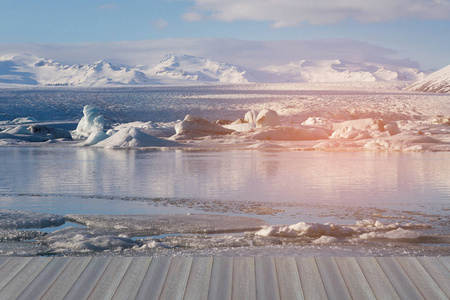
(180,69)
(437,82)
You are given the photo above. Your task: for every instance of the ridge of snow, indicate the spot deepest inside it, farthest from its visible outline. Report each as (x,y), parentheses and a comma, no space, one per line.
(437,82)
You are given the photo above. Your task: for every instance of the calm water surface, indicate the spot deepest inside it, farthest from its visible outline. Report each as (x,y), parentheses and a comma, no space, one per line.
(83,180)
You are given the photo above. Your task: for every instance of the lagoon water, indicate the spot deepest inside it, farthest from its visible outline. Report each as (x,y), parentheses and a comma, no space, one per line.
(106,181)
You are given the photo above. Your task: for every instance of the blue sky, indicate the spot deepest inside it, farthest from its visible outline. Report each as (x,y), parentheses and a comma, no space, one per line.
(414,29)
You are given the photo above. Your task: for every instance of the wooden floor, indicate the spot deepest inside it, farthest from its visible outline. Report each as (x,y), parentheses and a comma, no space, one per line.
(225,278)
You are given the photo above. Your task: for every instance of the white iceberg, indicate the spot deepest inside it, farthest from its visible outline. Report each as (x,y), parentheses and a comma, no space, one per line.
(194,126)
(267,118)
(133,137)
(92,121)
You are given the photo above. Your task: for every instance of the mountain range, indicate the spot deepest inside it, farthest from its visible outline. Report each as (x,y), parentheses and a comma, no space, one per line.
(182,69)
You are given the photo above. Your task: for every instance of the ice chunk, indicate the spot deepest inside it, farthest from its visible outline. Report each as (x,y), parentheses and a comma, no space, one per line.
(362,124)
(133,137)
(18,219)
(350,133)
(92,121)
(95,138)
(398,233)
(21,129)
(325,239)
(304,229)
(250,117)
(267,118)
(72,239)
(289,133)
(194,126)
(56,133)
(401,142)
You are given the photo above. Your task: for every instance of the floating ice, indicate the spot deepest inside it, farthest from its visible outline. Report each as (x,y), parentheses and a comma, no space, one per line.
(95,138)
(325,239)
(365,229)
(133,137)
(267,118)
(18,219)
(83,240)
(398,233)
(194,126)
(401,142)
(92,121)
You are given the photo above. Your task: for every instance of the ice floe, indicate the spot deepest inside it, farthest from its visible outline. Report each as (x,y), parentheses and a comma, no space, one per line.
(131,137)
(18,219)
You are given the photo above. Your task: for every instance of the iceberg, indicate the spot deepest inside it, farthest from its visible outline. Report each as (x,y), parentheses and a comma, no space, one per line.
(131,137)
(92,121)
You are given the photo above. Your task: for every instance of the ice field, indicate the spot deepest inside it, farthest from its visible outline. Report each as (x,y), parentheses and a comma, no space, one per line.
(306,169)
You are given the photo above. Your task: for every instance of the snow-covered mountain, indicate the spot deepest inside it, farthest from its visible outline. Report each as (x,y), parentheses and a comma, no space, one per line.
(33,70)
(187,67)
(179,69)
(343,71)
(437,82)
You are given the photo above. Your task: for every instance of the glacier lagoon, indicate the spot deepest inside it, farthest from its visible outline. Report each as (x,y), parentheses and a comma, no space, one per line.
(279,187)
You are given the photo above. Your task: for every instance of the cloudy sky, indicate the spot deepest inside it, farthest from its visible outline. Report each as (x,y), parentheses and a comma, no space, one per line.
(251,33)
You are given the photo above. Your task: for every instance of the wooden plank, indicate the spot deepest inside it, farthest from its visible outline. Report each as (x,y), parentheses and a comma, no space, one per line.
(11,268)
(176,278)
(266,278)
(354,278)
(199,279)
(44,280)
(4,260)
(312,284)
(438,272)
(421,279)
(377,279)
(111,278)
(399,279)
(67,278)
(445,260)
(288,278)
(332,278)
(88,278)
(153,282)
(132,280)
(244,281)
(22,279)
(221,284)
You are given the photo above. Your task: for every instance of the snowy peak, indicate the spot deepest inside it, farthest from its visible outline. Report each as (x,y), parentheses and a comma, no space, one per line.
(437,82)
(33,70)
(182,66)
(343,71)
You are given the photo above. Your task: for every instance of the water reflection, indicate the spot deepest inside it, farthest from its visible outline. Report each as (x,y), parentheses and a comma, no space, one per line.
(362,178)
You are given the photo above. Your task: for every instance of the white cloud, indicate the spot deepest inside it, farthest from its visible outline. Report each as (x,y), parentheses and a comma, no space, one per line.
(160,24)
(251,54)
(286,13)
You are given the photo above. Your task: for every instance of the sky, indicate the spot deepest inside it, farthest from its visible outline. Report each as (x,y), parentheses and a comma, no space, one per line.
(254,32)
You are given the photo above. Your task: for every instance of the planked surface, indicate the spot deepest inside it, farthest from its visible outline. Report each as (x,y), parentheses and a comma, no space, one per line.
(224,278)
